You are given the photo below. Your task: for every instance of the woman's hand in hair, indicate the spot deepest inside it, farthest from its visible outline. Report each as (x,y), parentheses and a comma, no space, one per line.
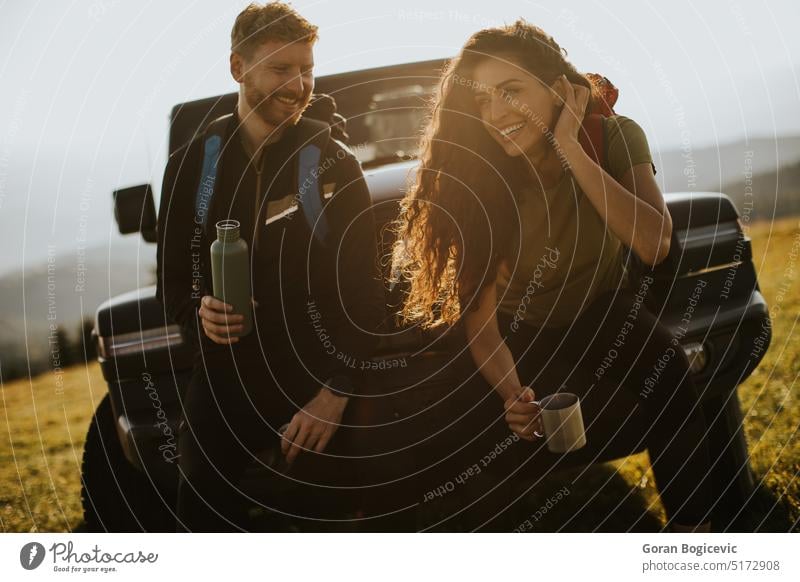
(565,134)
(522,414)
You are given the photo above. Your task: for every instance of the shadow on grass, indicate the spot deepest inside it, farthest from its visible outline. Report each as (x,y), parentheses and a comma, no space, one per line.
(764,512)
(596,499)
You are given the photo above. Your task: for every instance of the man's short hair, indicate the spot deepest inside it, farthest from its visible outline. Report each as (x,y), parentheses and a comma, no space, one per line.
(258,24)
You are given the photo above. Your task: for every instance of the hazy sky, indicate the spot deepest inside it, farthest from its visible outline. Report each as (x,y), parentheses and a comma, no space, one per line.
(87,85)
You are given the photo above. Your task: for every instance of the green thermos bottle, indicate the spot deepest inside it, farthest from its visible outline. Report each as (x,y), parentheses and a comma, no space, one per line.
(230,271)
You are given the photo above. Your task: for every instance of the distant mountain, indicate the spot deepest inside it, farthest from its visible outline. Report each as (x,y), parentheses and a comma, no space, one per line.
(769,194)
(720,168)
(65,290)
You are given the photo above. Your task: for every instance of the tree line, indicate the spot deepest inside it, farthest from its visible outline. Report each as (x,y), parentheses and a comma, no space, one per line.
(64,350)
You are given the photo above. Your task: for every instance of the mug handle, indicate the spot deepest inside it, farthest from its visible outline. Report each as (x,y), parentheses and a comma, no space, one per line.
(536,433)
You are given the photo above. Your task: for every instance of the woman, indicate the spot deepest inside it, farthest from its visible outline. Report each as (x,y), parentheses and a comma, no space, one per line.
(514,230)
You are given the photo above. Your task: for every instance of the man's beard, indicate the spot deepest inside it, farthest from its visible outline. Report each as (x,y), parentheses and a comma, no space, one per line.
(264,106)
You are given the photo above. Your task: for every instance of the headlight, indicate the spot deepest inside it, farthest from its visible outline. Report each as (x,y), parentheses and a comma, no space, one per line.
(137,342)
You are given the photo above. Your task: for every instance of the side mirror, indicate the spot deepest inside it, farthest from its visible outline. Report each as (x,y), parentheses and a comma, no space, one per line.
(135,211)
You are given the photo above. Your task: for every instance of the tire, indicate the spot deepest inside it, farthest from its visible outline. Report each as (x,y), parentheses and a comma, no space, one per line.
(732,475)
(115,495)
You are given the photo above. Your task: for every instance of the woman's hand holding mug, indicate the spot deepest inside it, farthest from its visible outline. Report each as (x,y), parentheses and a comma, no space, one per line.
(523,414)
(557,418)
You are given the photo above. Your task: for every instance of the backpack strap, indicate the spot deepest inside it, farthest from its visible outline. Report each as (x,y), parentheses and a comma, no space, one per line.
(592,137)
(312,141)
(213,140)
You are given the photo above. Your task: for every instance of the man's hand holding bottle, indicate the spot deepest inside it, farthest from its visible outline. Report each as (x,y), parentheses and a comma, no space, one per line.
(220,324)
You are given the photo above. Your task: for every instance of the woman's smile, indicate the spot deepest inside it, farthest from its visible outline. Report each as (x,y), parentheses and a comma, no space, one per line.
(512,130)
(514,136)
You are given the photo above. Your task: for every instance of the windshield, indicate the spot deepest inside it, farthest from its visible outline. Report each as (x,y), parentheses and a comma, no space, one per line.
(384,122)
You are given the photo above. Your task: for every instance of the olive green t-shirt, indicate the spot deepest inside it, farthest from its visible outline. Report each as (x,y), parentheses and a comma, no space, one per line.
(567,254)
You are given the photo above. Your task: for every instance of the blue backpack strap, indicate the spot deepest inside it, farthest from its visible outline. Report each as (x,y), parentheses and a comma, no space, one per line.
(213,140)
(312,139)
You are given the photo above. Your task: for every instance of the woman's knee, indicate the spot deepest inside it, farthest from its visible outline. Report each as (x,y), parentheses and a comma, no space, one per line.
(646,348)
(672,399)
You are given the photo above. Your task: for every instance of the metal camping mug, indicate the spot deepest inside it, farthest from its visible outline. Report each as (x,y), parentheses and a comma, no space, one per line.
(562,421)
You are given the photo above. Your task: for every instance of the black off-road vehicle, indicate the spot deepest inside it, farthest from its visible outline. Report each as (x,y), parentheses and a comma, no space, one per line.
(129,463)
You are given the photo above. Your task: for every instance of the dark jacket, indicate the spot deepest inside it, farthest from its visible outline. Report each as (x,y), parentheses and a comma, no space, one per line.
(318,303)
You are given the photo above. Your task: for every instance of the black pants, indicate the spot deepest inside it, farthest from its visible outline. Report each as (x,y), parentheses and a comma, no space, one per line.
(231,416)
(616,354)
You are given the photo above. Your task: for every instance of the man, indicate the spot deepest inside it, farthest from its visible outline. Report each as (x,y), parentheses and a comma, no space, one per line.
(317,299)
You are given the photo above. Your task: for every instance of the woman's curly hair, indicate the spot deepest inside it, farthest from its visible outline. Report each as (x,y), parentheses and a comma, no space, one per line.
(459,220)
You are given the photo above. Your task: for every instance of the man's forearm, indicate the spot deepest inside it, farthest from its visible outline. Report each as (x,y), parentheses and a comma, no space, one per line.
(179,274)
(340,383)
(182,311)
(176,288)
(328,391)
